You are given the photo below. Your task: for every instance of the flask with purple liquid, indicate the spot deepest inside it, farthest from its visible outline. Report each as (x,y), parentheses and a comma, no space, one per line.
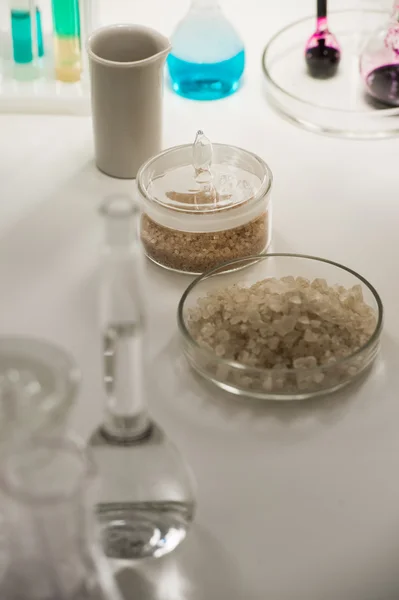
(322,51)
(379,61)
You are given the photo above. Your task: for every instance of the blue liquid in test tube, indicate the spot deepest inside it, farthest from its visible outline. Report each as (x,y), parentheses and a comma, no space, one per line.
(24,32)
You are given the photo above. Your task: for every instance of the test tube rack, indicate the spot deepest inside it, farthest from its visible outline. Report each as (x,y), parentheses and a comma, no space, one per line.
(33,87)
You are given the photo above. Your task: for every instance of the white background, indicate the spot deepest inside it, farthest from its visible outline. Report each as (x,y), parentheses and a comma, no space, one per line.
(295,502)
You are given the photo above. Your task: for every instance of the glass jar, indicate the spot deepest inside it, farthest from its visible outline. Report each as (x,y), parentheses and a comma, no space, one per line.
(182,229)
(38,387)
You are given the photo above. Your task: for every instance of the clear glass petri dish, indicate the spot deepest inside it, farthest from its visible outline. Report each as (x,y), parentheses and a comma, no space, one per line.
(38,385)
(338,106)
(266,384)
(181,230)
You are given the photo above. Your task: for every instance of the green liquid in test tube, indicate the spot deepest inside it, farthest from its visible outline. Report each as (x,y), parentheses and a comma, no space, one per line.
(67,46)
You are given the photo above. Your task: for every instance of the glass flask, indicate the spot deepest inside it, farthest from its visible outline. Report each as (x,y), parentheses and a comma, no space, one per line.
(52,546)
(208,58)
(38,386)
(379,61)
(322,52)
(147,502)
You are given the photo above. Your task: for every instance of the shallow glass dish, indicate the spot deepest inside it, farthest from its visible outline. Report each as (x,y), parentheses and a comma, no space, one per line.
(248,381)
(338,106)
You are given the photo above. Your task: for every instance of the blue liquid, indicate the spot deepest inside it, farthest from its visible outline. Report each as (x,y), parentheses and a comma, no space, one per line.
(206,81)
(21,31)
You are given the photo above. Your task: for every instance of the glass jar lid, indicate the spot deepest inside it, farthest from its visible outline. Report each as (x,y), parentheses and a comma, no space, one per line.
(38,384)
(204,186)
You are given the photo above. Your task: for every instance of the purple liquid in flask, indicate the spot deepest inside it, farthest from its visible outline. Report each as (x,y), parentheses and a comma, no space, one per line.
(322,52)
(379,63)
(383,84)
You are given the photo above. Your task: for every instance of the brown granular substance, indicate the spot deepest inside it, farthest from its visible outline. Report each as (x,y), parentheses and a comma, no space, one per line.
(197,252)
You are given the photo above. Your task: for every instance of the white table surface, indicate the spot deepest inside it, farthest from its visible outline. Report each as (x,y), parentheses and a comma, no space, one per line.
(295,502)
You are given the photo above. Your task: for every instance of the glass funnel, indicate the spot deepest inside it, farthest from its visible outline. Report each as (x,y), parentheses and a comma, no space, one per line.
(51,541)
(379,61)
(38,385)
(147,502)
(208,58)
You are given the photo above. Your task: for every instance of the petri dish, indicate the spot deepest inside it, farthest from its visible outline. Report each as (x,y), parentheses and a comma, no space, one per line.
(285,383)
(338,106)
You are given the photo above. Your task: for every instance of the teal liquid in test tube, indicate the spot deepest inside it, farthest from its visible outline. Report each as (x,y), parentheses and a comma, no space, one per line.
(67,46)
(26,31)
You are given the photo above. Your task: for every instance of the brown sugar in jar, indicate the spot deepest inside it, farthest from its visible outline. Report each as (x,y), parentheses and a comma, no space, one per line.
(190,233)
(192,252)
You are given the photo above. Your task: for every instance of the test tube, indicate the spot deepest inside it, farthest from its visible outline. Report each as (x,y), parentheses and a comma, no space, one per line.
(87,25)
(26,31)
(67,47)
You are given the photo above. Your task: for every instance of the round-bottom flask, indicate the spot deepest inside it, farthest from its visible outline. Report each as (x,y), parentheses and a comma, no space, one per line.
(146,503)
(208,59)
(379,61)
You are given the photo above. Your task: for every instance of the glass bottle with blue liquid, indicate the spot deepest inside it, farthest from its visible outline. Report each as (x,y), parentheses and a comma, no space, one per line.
(208,58)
